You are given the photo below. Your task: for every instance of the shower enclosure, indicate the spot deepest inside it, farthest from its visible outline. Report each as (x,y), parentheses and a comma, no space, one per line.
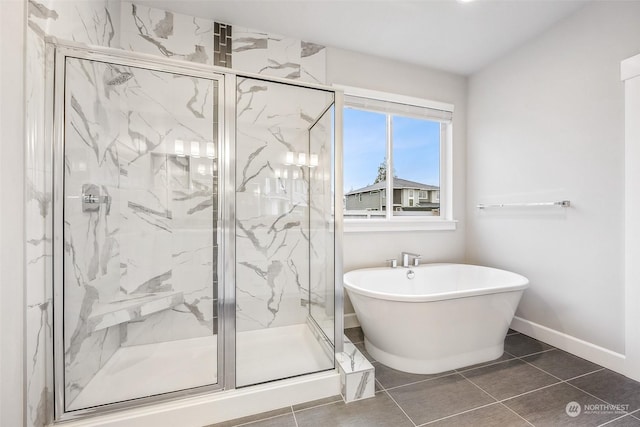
(194,229)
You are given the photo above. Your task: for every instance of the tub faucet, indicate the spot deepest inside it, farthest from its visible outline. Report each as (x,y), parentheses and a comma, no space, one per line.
(415,261)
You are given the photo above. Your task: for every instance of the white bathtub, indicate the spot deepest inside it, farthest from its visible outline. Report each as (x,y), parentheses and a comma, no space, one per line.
(448,316)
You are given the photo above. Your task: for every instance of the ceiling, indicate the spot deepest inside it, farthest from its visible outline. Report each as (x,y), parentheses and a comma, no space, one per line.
(445,34)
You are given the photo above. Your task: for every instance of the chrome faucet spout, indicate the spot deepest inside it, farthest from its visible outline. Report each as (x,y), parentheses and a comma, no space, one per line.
(409,259)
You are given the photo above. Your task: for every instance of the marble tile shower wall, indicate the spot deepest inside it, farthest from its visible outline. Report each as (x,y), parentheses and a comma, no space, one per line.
(278,56)
(90,23)
(172,35)
(272,202)
(124,25)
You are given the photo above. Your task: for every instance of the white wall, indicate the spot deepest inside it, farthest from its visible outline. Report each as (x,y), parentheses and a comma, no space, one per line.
(367,249)
(11,211)
(547,123)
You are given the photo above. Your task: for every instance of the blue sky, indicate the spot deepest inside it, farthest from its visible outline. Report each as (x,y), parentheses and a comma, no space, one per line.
(416,148)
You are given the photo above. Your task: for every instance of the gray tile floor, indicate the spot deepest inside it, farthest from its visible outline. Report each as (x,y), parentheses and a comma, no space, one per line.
(531,384)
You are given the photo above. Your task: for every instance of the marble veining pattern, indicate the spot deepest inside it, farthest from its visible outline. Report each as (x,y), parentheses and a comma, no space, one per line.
(169,34)
(357,374)
(88,22)
(273,184)
(153,230)
(278,56)
(112,23)
(39,234)
(272,202)
(321,226)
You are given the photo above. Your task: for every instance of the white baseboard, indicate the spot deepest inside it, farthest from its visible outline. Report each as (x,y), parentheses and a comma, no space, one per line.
(591,352)
(351,321)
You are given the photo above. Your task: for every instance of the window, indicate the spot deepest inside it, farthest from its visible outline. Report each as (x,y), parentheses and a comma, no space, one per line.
(398,146)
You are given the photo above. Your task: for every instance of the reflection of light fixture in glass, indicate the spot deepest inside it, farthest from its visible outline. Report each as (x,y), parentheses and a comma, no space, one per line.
(215,166)
(295,174)
(289,158)
(313,160)
(195,149)
(138,145)
(82,166)
(211,150)
(179,147)
(285,174)
(302,159)
(202,170)
(210,169)
(277,173)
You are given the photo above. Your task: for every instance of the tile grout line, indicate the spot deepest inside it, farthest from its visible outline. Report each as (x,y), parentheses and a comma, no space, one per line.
(458,413)
(535,353)
(254,421)
(501,402)
(513,357)
(484,366)
(421,381)
(565,381)
(595,397)
(540,369)
(574,386)
(400,407)
(615,419)
(518,415)
(517,395)
(549,373)
(584,375)
(480,388)
(530,391)
(496,401)
(561,381)
(461,373)
(319,406)
(295,420)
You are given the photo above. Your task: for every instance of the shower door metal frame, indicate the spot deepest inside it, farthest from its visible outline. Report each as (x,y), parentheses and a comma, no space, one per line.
(225,229)
(56,53)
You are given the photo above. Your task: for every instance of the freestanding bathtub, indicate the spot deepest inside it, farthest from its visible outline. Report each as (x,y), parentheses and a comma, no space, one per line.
(434,317)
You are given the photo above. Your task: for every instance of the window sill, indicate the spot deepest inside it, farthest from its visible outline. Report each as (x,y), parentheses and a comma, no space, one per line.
(380,225)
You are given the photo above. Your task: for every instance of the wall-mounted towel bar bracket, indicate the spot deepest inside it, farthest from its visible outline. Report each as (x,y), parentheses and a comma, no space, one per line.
(561,203)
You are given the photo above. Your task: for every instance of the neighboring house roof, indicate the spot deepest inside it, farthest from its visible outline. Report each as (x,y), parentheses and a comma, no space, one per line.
(398,183)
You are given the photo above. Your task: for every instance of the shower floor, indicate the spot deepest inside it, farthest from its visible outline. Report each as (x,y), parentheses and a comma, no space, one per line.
(150,369)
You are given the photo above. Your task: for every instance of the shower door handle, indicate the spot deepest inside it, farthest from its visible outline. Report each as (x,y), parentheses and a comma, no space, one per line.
(92,199)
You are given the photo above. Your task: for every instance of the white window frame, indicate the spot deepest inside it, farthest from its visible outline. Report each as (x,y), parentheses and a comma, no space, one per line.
(445,220)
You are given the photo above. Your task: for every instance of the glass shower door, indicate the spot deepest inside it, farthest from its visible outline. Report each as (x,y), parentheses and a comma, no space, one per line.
(322,225)
(283,232)
(141,232)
